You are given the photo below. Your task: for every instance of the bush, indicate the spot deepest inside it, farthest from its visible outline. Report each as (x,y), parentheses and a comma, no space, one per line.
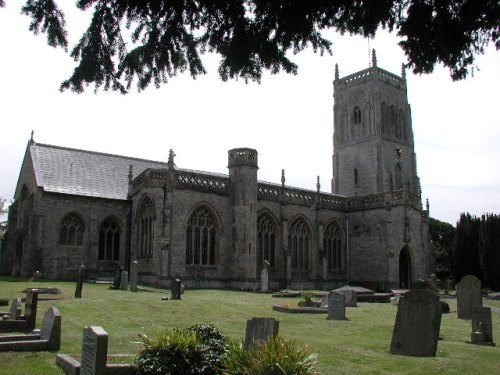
(275,356)
(197,350)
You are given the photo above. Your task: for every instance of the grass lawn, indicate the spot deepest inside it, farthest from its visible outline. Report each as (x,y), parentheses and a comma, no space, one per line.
(359,345)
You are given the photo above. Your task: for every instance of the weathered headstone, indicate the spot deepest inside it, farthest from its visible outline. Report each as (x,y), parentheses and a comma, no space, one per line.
(419,284)
(94,351)
(350,299)
(117,278)
(175,292)
(468,296)
(79,282)
(260,329)
(15,308)
(336,306)
(418,320)
(134,274)
(482,330)
(264,277)
(51,329)
(124,280)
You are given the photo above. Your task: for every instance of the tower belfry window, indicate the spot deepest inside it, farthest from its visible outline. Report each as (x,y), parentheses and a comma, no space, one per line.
(356,177)
(356,116)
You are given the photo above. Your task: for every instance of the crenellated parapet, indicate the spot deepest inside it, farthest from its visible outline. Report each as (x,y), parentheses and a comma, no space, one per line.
(370,74)
(243,157)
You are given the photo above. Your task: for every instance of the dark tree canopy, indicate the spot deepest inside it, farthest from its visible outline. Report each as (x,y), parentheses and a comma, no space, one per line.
(251,36)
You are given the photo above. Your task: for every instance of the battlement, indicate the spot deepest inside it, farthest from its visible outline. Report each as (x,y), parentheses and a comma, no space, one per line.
(370,74)
(242,157)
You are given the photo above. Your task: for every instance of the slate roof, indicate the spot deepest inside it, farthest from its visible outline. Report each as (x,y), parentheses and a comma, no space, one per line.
(86,173)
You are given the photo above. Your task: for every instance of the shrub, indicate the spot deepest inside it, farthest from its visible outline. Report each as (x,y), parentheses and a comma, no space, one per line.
(276,356)
(197,350)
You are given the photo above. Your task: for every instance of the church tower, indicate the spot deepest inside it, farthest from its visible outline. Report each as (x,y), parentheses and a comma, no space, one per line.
(373,136)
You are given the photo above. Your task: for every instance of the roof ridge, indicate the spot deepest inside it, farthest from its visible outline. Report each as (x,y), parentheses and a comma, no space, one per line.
(97,153)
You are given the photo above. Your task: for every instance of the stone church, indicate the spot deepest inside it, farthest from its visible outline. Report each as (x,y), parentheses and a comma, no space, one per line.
(74,207)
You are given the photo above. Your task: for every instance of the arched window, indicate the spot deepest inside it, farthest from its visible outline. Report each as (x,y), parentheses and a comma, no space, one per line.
(146,228)
(356,177)
(71,231)
(402,125)
(394,121)
(399,177)
(266,240)
(109,240)
(201,238)
(298,241)
(385,118)
(332,244)
(356,116)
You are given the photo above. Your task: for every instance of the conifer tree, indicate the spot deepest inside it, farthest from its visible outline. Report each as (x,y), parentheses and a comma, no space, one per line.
(466,255)
(489,249)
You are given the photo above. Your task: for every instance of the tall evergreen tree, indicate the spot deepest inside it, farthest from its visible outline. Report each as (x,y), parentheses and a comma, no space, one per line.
(489,249)
(466,255)
(443,241)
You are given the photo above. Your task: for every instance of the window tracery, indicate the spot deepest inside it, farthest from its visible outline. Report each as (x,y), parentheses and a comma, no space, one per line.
(266,240)
(71,231)
(109,240)
(146,228)
(332,244)
(299,238)
(201,238)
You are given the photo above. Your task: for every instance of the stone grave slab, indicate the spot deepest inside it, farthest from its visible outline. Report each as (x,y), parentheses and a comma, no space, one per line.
(482,330)
(134,275)
(175,292)
(79,281)
(124,280)
(418,320)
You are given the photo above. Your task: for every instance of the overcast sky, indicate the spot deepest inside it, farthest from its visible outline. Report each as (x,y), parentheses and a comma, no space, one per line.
(288,119)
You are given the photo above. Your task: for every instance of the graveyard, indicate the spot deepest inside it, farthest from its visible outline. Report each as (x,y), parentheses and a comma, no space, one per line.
(360,343)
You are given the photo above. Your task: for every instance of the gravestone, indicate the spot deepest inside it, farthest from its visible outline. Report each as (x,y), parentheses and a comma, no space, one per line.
(482,331)
(124,280)
(351,299)
(79,282)
(336,306)
(117,278)
(94,351)
(15,308)
(418,320)
(51,329)
(264,277)
(134,270)
(260,329)
(468,296)
(324,302)
(395,299)
(175,292)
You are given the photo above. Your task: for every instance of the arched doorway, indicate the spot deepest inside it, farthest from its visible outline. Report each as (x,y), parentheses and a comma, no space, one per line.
(404,269)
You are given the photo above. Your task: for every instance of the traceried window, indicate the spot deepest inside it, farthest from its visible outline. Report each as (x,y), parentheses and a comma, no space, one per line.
(266,240)
(299,239)
(71,231)
(332,244)
(201,238)
(146,228)
(109,240)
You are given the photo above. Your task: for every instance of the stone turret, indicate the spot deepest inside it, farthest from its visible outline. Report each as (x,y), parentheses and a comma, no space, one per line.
(243,166)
